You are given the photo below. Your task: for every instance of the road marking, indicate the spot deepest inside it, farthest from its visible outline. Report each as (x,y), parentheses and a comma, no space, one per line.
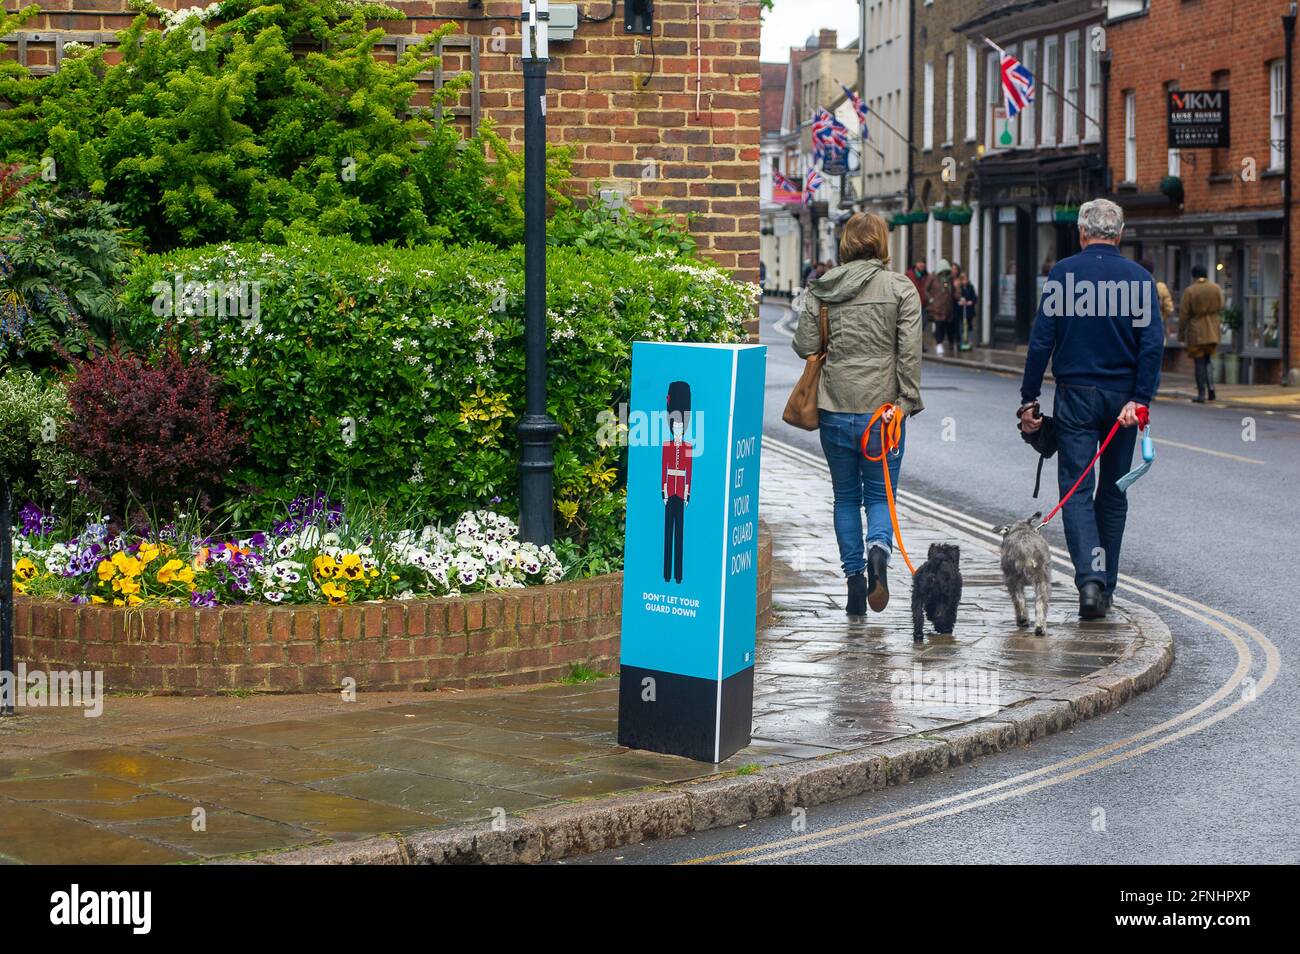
(1065,769)
(1206,450)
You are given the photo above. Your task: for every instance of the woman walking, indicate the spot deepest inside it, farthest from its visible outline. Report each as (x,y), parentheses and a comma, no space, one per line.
(873,357)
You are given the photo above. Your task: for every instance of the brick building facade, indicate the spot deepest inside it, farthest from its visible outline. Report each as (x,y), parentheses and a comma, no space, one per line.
(1230,217)
(669,122)
(945,124)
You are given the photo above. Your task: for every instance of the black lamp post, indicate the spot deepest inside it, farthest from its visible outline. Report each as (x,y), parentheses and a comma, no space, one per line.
(537,429)
(7,598)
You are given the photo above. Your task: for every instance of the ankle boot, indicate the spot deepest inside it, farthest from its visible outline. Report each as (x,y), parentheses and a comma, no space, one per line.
(857,601)
(877,579)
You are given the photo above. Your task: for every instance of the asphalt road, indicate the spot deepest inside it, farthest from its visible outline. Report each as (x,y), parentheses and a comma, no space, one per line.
(1214,520)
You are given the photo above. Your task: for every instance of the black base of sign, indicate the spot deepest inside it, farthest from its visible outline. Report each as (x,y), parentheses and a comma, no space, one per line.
(682,717)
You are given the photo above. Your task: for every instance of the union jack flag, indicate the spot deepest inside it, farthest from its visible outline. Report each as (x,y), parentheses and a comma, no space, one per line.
(782,183)
(860,108)
(811,183)
(829,135)
(1017,81)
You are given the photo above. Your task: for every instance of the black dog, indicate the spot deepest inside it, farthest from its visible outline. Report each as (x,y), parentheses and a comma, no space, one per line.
(936,590)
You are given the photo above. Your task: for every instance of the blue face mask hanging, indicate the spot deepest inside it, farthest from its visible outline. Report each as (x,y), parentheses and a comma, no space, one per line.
(1148,455)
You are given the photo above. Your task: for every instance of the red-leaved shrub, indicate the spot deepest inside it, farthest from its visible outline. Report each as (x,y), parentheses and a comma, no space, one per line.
(151,433)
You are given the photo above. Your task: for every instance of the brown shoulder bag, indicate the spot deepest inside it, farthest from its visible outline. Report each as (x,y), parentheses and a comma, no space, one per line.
(801,409)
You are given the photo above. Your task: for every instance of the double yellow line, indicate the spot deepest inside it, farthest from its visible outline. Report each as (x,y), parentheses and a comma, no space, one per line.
(1239,635)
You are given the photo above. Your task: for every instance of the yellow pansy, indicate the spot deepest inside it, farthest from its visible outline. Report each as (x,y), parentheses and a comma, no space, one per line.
(169,573)
(334,593)
(126,586)
(106,571)
(350,566)
(97,599)
(324,566)
(147,553)
(20,588)
(24,569)
(126,564)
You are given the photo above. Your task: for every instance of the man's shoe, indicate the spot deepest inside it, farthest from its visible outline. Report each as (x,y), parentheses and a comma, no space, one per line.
(1092,601)
(1199,399)
(877,579)
(1212,397)
(857,601)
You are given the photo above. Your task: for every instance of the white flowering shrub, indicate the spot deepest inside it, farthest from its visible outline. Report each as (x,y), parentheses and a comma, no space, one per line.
(402,370)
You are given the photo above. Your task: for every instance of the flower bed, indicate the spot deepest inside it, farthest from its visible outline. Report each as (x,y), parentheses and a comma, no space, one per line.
(516,636)
(316,555)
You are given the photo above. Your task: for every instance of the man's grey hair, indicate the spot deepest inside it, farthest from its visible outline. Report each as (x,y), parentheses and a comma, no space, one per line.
(1101,219)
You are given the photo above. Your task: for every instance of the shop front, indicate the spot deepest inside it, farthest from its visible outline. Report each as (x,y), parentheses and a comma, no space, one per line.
(1242,253)
(1031,214)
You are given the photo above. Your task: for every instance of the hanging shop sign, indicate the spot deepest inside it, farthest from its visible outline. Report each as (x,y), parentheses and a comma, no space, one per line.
(1198,119)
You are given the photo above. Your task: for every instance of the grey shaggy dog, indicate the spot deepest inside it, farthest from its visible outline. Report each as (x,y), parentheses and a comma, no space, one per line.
(936,590)
(1027,561)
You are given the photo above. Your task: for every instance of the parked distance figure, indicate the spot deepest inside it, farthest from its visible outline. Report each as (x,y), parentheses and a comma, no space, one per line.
(1199,321)
(1105,351)
(873,358)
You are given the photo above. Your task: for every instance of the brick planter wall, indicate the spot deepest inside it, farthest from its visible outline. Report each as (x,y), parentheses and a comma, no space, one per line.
(515,637)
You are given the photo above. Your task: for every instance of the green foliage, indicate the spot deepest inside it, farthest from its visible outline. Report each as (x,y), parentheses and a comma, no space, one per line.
(599,226)
(61,258)
(247,122)
(33,454)
(402,371)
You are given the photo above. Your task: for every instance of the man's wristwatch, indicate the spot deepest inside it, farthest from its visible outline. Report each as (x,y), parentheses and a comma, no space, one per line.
(1028,405)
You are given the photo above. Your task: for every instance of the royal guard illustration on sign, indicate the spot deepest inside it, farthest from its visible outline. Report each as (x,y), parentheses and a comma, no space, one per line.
(675,478)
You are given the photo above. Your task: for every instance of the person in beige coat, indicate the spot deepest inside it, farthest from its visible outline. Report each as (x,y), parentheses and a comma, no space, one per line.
(1199,320)
(873,358)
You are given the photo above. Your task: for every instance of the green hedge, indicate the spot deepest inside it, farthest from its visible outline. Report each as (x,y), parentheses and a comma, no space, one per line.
(401,371)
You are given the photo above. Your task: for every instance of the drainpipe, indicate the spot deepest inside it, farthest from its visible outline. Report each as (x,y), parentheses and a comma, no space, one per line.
(1288,30)
(911,137)
(1106,177)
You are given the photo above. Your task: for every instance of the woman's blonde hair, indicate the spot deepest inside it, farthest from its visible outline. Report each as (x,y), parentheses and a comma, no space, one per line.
(865,236)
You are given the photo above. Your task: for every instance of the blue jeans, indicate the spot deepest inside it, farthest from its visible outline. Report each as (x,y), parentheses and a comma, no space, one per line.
(1094,528)
(858,482)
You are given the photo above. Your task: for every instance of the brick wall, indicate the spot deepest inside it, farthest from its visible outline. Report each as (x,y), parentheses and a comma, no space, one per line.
(1199,38)
(630,116)
(512,637)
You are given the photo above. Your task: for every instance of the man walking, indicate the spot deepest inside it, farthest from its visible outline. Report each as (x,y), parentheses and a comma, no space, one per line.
(1097,322)
(1199,321)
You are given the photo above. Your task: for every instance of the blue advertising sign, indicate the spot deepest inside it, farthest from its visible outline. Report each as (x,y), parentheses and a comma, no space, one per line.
(690,564)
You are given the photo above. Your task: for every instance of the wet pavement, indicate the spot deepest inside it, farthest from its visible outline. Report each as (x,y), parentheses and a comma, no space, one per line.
(188,779)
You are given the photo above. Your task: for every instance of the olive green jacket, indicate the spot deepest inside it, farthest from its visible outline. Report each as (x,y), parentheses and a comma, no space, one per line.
(874,354)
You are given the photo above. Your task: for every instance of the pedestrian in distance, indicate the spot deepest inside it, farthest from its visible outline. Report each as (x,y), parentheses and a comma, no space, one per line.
(939,303)
(873,358)
(1200,318)
(965,300)
(917,273)
(1105,344)
(1167,308)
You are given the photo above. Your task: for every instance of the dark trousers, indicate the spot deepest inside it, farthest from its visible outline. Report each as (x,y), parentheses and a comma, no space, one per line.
(1204,378)
(674,518)
(1094,528)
